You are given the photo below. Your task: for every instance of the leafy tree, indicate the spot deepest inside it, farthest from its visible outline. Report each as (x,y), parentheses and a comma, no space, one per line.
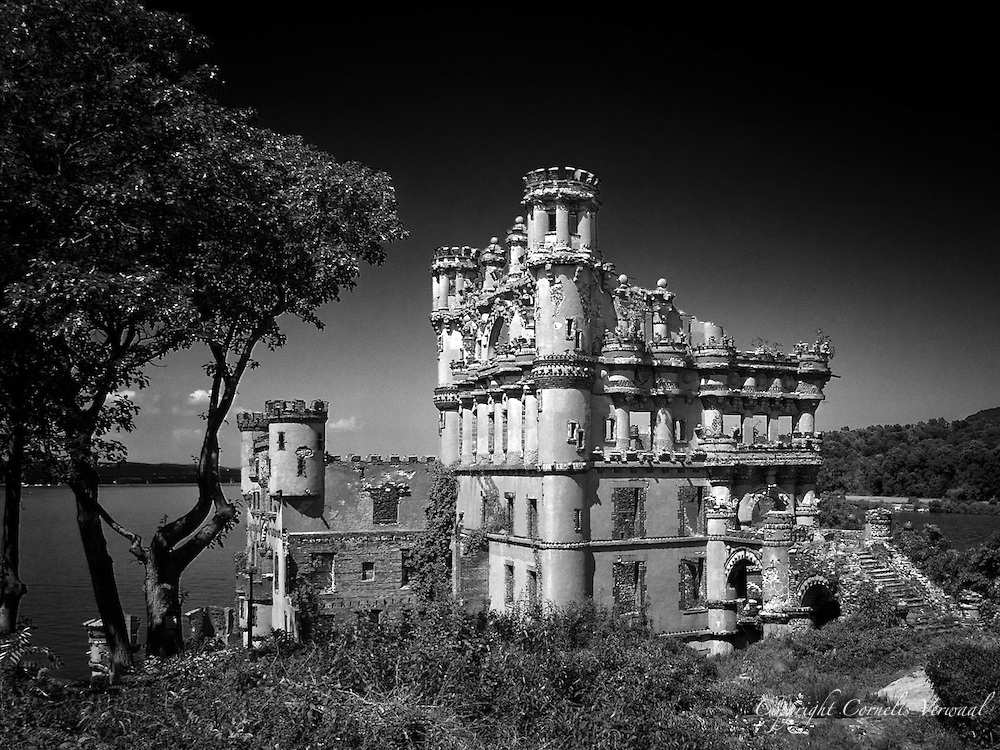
(94,97)
(144,216)
(281,229)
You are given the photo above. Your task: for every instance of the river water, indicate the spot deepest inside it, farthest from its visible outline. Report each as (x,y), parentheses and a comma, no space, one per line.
(60,597)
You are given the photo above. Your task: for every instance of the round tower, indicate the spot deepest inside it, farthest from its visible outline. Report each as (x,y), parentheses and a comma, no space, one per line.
(454,269)
(296,448)
(562,205)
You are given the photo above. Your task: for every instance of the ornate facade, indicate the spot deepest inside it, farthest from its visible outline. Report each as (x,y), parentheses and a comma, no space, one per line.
(611,446)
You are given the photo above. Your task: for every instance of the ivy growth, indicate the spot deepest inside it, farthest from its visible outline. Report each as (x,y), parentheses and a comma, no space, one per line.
(432,551)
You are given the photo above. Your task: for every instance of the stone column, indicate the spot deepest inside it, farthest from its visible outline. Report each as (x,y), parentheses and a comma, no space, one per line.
(514,449)
(721,612)
(772,426)
(622,425)
(449,437)
(585,228)
(774,554)
(468,434)
(483,431)
(746,428)
(711,419)
(562,226)
(530,427)
(498,428)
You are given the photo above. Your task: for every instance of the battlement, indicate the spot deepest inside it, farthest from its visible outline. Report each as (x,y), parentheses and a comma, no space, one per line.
(561,184)
(393,459)
(539,177)
(251,421)
(295,411)
(463,254)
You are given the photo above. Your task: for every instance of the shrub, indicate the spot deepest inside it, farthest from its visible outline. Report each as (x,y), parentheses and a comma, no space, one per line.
(967,674)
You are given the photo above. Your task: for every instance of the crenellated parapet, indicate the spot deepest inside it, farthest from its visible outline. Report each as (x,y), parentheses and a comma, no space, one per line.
(295,411)
(560,184)
(251,421)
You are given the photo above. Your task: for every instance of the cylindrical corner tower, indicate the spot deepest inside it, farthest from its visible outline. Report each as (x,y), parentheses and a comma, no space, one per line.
(296,448)
(562,205)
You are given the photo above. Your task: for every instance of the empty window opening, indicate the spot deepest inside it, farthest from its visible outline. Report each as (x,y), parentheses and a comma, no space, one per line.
(690,502)
(640,431)
(532,518)
(628,512)
(692,576)
(367,571)
(629,580)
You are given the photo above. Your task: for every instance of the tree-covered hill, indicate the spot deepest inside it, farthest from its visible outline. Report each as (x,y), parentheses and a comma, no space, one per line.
(955,460)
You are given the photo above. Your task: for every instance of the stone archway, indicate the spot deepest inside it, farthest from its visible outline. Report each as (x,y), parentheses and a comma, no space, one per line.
(743,574)
(817,594)
(754,506)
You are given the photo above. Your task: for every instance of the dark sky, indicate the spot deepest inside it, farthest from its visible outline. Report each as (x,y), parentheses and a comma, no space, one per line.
(783,173)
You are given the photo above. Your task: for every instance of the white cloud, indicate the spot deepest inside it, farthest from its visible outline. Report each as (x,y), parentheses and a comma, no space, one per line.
(347,424)
(188,435)
(200,396)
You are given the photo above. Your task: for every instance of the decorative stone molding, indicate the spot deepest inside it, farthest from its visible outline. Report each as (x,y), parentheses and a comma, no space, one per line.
(564,371)
(446,397)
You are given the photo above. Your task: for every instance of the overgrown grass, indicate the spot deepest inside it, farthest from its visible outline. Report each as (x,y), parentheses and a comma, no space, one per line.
(441,678)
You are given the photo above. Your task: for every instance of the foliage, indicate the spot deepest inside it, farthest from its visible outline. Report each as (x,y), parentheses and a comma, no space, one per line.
(438,678)
(835,512)
(433,549)
(976,569)
(967,673)
(958,461)
(17,652)
(141,216)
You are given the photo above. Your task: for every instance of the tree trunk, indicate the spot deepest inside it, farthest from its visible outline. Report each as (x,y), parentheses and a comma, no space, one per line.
(164,636)
(166,561)
(11,586)
(102,571)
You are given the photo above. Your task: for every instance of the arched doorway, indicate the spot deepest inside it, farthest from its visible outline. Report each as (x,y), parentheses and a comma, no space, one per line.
(744,584)
(825,607)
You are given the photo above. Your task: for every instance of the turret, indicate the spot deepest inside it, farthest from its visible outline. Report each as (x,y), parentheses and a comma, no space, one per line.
(454,271)
(251,424)
(562,209)
(296,448)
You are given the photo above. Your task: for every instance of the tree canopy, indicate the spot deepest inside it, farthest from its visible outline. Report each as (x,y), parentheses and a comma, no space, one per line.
(958,460)
(138,215)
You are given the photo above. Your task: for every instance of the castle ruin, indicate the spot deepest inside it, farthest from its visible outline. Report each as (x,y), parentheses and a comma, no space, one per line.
(607,445)
(611,446)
